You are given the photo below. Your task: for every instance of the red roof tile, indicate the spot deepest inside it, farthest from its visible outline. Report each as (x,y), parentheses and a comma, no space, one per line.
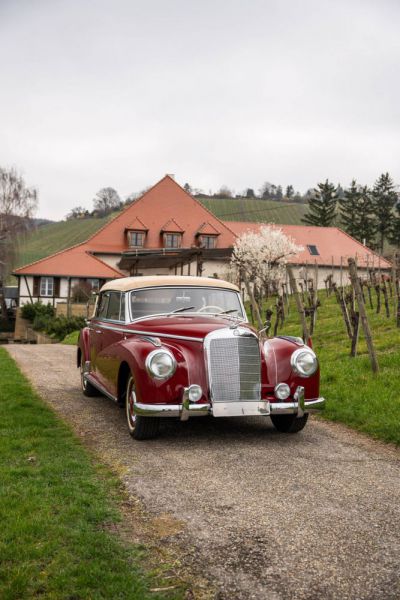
(172,226)
(334,245)
(137,225)
(207,229)
(165,201)
(73,262)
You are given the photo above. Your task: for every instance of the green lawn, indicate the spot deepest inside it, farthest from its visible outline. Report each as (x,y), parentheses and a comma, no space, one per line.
(71,339)
(355,396)
(57,508)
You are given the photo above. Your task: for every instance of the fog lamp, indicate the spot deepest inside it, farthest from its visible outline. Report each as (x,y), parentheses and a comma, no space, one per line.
(195,393)
(282,391)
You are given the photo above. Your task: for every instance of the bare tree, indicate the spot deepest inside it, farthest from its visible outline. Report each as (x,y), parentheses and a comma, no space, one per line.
(106,200)
(17,205)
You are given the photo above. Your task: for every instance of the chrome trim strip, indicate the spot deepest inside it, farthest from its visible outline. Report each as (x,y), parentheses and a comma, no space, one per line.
(101,388)
(150,333)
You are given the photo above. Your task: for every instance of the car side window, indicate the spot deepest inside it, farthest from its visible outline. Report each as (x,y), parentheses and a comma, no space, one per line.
(114,305)
(102,306)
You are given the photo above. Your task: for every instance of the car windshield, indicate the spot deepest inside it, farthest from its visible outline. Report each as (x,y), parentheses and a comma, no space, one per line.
(167,300)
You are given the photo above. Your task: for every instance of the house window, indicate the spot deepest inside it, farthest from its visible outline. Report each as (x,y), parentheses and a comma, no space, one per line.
(136,239)
(208,241)
(94,284)
(46,286)
(172,240)
(313,250)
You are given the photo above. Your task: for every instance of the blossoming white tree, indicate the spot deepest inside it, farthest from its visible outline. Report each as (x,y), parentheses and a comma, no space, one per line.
(261,257)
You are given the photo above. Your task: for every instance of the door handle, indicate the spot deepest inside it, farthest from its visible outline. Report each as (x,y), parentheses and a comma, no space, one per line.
(98,331)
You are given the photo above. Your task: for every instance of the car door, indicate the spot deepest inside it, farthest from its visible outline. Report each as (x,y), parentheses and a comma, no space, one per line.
(111,325)
(97,332)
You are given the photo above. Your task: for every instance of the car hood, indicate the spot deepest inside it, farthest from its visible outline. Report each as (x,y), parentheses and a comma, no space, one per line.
(186,326)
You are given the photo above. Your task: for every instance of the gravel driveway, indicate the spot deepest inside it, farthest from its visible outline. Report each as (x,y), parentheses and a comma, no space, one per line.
(264,515)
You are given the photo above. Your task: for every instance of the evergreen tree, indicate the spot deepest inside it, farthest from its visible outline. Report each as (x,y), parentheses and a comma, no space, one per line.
(279,193)
(250,193)
(365,218)
(349,209)
(394,233)
(384,199)
(322,206)
(289,192)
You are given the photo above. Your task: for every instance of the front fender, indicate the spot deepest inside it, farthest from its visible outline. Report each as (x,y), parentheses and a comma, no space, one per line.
(277,353)
(149,390)
(83,348)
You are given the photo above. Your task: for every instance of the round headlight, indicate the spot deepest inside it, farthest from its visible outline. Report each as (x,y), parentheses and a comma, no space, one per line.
(282,391)
(304,362)
(161,364)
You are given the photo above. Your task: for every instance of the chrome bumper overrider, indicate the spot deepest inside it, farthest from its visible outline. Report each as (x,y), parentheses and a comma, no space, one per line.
(183,411)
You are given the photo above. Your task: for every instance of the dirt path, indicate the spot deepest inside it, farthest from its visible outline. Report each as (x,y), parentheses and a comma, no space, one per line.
(265,515)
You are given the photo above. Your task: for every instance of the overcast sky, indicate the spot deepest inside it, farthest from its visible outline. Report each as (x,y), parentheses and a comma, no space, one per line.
(219,92)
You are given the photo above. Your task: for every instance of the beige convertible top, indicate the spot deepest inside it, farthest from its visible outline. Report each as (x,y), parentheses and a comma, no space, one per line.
(133,283)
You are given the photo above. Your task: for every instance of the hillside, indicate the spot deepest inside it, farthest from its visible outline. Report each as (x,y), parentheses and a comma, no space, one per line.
(53,237)
(248,209)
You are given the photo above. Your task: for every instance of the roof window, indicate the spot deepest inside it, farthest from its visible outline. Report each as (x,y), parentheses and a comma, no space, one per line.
(313,250)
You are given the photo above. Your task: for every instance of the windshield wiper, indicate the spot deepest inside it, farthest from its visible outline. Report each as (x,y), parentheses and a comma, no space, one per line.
(226,312)
(181,309)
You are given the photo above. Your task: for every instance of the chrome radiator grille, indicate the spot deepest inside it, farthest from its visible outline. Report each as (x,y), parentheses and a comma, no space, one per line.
(233,367)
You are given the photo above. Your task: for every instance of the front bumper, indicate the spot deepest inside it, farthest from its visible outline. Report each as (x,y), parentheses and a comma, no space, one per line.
(299,406)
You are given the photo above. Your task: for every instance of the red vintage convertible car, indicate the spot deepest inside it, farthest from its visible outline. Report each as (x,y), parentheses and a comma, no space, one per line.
(182,347)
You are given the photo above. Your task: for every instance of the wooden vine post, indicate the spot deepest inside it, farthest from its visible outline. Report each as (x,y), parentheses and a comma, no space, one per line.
(363,315)
(299,304)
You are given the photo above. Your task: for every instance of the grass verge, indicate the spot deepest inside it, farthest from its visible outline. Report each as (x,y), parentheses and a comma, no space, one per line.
(71,339)
(57,509)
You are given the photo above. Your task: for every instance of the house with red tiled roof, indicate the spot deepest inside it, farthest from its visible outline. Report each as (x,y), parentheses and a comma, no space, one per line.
(167,231)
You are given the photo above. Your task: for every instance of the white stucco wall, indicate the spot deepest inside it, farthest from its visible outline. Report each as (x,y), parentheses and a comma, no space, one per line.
(24,292)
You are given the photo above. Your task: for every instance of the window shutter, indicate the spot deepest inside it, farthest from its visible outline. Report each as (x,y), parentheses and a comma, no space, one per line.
(56,287)
(36,286)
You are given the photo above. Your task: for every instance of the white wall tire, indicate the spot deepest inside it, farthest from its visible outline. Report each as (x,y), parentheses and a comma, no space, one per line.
(140,428)
(88,389)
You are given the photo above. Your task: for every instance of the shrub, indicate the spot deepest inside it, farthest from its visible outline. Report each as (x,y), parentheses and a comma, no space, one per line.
(62,326)
(43,318)
(41,322)
(30,311)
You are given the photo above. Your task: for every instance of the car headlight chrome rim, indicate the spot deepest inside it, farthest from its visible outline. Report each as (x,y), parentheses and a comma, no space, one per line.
(161,364)
(304,362)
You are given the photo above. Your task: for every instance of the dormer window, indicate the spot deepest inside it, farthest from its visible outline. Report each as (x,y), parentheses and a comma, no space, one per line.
(207,236)
(172,234)
(136,239)
(172,240)
(208,241)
